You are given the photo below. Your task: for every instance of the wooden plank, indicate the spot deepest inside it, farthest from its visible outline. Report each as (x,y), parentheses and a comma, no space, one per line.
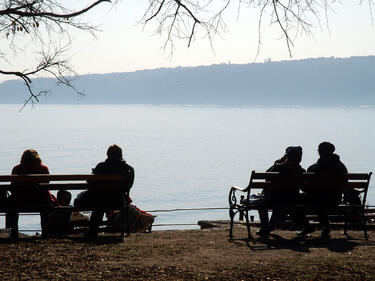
(310,176)
(64,177)
(70,208)
(312,185)
(70,186)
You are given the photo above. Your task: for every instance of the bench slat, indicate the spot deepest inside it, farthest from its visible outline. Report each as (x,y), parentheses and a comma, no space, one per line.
(342,185)
(311,176)
(68,186)
(70,177)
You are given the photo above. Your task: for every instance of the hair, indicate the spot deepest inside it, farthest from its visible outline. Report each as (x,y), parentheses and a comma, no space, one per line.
(30,156)
(326,149)
(64,197)
(114,152)
(287,149)
(294,154)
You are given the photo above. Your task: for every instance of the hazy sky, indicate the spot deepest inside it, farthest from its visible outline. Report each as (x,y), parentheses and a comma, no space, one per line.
(124,45)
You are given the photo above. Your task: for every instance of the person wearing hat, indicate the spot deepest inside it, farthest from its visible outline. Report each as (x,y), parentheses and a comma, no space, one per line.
(279,198)
(328,163)
(114,164)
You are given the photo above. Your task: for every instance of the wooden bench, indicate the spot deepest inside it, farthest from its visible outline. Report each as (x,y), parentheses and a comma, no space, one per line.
(239,198)
(67,182)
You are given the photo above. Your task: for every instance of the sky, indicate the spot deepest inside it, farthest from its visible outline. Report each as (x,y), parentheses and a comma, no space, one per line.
(124,44)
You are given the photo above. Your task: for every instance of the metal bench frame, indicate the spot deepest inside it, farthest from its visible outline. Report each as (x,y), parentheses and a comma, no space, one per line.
(69,182)
(358,181)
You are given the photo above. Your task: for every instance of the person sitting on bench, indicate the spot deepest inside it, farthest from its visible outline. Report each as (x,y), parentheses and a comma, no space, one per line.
(328,163)
(31,196)
(279,198)
(110,199)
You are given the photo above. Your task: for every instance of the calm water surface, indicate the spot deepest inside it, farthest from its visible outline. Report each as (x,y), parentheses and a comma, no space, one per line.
(184,157)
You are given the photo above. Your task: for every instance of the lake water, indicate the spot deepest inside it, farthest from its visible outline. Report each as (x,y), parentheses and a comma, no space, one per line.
(184,157)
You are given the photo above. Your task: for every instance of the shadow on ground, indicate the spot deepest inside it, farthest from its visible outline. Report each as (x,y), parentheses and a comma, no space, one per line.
(303,244)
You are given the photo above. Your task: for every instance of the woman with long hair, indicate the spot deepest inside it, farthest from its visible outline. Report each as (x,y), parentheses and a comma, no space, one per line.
(31,196)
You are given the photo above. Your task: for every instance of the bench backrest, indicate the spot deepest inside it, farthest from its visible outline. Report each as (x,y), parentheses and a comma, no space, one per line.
(68,181)
(358,181)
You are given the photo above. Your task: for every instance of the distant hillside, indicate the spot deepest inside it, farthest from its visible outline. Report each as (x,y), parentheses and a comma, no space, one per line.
(322,81)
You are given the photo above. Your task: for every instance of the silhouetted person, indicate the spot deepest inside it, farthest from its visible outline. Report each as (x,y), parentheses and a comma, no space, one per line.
(3,196)
(281,198)
(63,198)
(328,163)
(29,195)
(110,198)
(59,219)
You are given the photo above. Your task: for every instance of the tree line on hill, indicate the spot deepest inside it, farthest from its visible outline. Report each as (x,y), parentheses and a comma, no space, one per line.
(321,81)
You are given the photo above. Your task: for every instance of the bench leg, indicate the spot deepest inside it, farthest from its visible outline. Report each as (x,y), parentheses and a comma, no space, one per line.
(122,234)
(231,216)
(346,223)
(364,225)
(125,225)
(248,225)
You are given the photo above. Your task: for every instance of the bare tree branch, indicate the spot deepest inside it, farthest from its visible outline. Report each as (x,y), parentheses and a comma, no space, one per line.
(42,23)
(183,19)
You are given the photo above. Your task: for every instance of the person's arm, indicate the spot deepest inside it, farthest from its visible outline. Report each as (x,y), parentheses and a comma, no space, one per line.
(14,170)
(131,175)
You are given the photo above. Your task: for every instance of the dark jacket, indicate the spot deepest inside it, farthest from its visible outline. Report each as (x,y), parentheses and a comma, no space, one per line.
(108,197)
(284,196)
(116,167)
(327,165)
(32,195)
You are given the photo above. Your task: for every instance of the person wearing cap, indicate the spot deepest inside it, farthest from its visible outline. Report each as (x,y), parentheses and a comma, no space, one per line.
(114,164)
(279,198)
(328,163)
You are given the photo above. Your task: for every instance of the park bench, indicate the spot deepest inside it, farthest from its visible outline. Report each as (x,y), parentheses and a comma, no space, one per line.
(67,182)
(240,200)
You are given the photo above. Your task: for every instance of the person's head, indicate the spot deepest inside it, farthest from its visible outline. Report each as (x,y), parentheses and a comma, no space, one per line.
(30,156)
(283,158)
(294,154)
(287,149)
(326,149)
(64,197)
(114,152)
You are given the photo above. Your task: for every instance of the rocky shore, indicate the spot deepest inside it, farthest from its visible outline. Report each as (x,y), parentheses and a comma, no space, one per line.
(190,255)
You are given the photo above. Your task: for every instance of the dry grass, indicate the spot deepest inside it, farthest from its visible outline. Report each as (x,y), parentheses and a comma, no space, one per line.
(190,255)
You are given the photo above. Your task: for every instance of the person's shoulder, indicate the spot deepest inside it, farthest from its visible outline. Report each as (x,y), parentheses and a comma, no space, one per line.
(340,166)
(127,168)
(99,167)
(16,169)
(44,169)
(313,168)
(277,167)
(101,164)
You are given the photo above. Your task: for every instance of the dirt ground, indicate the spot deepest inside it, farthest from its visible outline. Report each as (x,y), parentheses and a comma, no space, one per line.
(190,255)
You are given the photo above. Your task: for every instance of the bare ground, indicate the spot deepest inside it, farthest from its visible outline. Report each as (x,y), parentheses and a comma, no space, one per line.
(190,255)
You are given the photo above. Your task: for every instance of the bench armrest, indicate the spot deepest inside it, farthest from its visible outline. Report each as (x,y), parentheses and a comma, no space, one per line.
(233,200)
(239,189)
